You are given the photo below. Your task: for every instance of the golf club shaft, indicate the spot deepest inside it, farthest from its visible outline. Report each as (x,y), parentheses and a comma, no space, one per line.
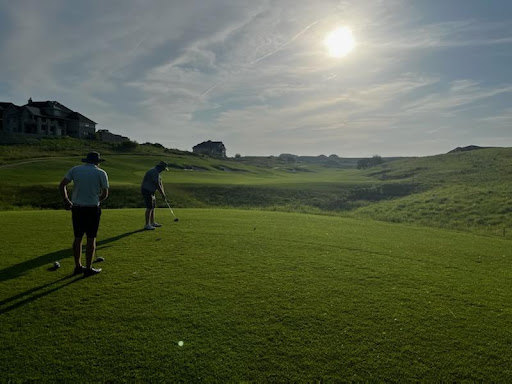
(170,208)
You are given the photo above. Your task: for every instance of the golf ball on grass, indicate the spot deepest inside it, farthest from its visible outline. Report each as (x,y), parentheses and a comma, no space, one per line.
(180,343)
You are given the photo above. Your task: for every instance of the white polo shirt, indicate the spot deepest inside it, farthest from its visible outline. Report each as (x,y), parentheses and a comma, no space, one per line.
(89,180)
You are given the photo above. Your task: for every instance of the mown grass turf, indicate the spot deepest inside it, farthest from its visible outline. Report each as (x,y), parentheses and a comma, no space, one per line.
(254,296)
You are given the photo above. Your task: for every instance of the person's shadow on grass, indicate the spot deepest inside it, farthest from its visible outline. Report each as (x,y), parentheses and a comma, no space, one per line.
(17,270)
(36,296)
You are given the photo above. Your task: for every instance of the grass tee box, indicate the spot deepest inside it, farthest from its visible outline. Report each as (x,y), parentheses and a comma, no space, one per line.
(228,295)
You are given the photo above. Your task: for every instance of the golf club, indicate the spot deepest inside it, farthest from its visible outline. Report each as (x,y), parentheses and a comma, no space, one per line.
(175,218)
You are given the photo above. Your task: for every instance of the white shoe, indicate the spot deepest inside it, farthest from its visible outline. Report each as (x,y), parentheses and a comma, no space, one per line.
(156,225)
(149,228)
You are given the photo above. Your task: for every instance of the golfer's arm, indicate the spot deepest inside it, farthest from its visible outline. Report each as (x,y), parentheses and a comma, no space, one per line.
(161,188)
(63,190)
(104,194)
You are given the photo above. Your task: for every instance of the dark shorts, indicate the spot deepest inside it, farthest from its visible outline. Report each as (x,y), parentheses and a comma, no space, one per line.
(86,220)
(149,198)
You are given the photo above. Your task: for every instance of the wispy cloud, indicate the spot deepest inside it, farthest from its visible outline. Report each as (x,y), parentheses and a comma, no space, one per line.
(256,75)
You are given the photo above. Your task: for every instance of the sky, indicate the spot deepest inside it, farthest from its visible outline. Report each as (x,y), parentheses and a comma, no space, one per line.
(424,76)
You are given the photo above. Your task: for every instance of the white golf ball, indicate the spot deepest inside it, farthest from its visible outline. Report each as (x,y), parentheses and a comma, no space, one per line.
(180,343)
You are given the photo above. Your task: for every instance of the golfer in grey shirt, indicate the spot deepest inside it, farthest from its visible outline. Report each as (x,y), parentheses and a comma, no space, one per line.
(150,184)
(90,188)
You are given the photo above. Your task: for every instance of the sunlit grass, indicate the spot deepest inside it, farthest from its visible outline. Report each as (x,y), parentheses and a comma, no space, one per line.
(254,296)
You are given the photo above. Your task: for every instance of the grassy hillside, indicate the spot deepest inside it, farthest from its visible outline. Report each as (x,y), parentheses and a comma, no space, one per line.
(193,181)
(465,190)
(254,296)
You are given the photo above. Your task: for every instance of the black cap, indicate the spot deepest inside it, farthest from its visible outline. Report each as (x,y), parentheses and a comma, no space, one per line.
(93,158)
(163,165)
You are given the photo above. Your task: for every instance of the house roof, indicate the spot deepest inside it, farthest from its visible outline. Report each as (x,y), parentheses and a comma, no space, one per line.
(79,116)
(210,143)
(4,105)
(36,108)
(33,110)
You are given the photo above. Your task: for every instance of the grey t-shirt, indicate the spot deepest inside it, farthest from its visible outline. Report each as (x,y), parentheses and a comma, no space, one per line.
(151,180)
(88,180)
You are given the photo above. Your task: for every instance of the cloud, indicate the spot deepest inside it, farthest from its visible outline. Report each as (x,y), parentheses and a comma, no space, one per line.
(255,74)
(450,34)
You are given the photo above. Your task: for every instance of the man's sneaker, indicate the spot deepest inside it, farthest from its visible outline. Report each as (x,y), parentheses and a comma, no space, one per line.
(79,270)
(92,271)
(156,225)
(149,227)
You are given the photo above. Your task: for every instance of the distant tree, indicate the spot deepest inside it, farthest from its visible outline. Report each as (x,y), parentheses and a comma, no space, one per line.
(376,160)
(369,162)
(363,163)
(237,156)
(127,145)
(288,157)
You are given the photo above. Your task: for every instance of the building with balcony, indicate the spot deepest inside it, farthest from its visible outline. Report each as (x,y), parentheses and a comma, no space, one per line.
(44,118)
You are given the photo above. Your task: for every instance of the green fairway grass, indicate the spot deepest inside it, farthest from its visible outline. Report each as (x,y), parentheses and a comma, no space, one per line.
(254,296)
(467,191)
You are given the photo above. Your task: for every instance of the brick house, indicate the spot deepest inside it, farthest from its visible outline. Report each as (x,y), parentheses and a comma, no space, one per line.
(44,118)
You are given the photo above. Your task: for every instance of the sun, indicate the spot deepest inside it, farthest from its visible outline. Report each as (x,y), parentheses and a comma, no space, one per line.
(340,42)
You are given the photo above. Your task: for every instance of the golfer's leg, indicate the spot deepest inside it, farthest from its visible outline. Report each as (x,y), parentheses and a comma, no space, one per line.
(148,215)
(77,251)
(89,253)
(152,216)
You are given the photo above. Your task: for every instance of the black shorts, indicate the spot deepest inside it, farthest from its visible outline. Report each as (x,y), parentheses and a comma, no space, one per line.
(149,198)
(86,220)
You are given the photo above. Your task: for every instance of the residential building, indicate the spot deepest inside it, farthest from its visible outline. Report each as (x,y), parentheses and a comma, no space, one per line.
(44,118)
(210,148)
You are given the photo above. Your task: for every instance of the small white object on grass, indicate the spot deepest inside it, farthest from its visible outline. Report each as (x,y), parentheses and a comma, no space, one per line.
(56,264)
(180,343)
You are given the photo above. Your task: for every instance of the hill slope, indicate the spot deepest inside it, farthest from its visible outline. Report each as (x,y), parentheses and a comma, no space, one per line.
(465,190)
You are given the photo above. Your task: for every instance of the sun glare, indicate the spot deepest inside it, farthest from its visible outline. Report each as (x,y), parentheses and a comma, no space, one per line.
(340,42)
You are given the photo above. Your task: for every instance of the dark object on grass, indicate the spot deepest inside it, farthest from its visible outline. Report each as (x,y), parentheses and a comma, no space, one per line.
(99,259)
(92,271)
(78,270)
(55,266)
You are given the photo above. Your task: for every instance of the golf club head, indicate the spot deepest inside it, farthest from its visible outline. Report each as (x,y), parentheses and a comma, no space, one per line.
(176,219)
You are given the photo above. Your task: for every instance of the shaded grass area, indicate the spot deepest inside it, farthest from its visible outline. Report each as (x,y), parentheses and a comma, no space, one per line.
(327,197)
(254,296)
